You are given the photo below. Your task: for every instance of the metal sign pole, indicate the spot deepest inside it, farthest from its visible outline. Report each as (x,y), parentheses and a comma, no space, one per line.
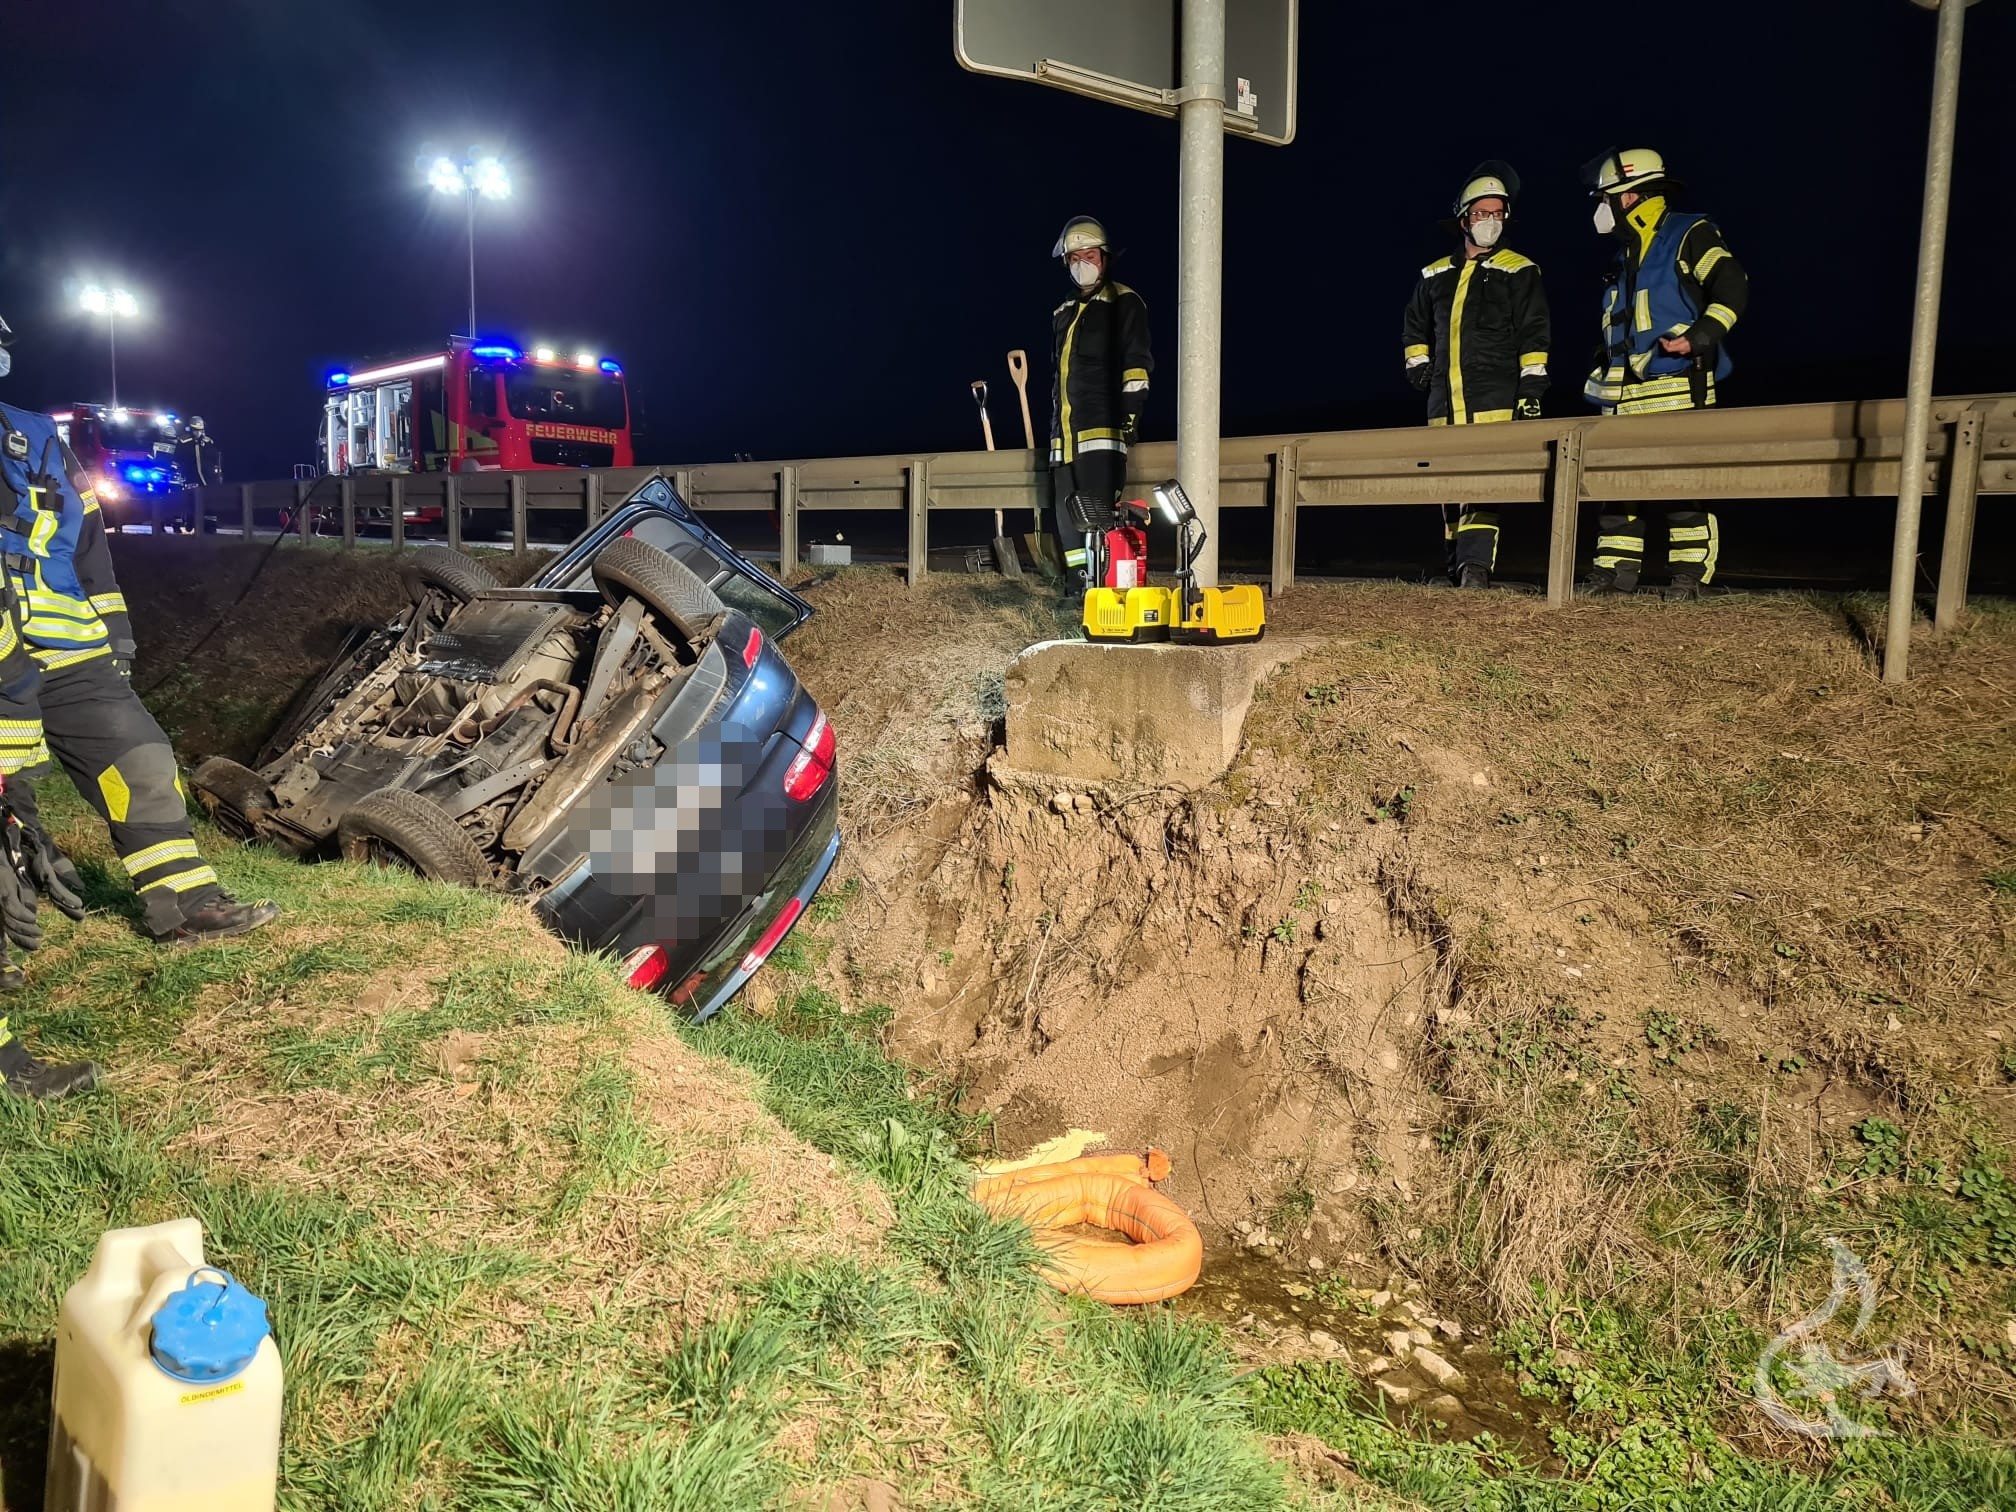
(1200,115)
(1924,340)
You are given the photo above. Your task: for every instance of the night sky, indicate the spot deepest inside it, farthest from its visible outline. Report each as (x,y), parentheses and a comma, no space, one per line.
(804,229)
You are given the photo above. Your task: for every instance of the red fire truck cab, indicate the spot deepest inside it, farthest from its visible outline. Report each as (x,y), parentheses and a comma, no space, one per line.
(478,406)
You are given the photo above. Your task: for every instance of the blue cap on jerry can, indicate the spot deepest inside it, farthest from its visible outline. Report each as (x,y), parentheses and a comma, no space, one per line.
(209,1330)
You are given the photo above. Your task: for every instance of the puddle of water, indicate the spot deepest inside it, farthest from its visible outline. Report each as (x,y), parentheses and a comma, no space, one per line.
(1237,1287)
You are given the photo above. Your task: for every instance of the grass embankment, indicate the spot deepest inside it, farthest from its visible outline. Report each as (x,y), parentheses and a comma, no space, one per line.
(526,1246)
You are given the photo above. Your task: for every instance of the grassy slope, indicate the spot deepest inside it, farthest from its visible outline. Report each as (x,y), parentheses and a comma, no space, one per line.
(526,1246)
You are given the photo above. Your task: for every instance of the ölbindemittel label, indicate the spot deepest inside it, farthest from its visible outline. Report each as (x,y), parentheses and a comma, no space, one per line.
(211,1394)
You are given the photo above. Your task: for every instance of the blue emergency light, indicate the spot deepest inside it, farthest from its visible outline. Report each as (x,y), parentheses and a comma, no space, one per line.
(337,380)
(494,351)
(610,367)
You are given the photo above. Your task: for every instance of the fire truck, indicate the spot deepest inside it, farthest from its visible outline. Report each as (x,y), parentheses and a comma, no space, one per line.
(478,406)
(127,454)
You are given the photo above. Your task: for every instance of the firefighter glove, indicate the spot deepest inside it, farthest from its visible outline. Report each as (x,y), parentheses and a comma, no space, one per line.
(35,859)
(1528,408)
(17,907)
(1418,375)
(122,658)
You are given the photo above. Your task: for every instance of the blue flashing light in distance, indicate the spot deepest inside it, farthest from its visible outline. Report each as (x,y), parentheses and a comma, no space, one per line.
(337,380)
(610,367)
(494,351)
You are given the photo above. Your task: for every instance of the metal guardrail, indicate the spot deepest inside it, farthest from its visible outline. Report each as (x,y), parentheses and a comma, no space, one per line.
(1850,449)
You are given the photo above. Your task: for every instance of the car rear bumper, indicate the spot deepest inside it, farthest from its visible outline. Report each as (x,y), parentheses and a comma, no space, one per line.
(709,988)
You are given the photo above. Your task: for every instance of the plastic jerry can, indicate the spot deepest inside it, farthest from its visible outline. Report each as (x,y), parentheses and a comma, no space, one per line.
(167,1395)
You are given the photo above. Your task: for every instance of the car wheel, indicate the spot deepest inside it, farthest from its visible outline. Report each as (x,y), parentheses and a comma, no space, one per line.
(395,827)
(456,575)
(234,796)
(630,568)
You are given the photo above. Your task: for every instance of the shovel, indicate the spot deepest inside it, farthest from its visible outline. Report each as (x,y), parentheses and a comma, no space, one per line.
(1042,545)
(1005,557)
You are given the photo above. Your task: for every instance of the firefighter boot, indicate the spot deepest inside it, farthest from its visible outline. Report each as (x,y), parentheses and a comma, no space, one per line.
(1621,579)
(220,917)
(25,1076)
(1682,590)
(1474,576)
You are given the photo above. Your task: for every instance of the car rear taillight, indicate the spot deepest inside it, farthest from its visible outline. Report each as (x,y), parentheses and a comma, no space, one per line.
(754,649)
(645,967)
(779,927)
(813,765)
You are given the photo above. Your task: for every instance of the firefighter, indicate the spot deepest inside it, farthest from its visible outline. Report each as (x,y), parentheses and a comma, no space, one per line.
(1100,365)
(1669,302)
(206,458)
(74,697)
(1475,338)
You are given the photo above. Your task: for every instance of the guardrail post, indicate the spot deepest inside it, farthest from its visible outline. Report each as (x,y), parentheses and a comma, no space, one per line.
(917,551)
(302,515)
(787,522)
(1287,465)
(1963,484)
(395,493)
(451,509)
(518,531)
(591,495)
(245,510)
(1567,515)
(349,514)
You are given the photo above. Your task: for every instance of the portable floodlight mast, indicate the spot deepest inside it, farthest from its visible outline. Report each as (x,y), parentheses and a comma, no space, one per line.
(1124,51)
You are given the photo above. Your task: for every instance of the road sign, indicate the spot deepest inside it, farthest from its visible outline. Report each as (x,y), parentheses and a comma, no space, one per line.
(1126,51)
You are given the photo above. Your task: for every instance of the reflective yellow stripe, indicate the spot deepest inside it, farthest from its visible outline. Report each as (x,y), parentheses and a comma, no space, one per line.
(1687,554)
(1098,433)
(182,881)
(109,603)
(43,530)
(154,855)
(1461,528)
(1486,417)
(1620,543)
(1532,359)
(1714,549)
(90,502)
(28,729)
(51,660)
(1417,350)
(1064,382)
(1723,314)
(1708,260)
(1644,310)
(1134,375)
(1688,533)
(6,1035)
(1456,342)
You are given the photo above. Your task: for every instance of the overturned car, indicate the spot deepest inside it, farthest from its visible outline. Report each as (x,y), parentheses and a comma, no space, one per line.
(620,741)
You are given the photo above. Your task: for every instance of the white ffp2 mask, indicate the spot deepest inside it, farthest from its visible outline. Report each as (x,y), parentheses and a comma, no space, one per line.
(1084,274)
(1606,219)
(1485,233)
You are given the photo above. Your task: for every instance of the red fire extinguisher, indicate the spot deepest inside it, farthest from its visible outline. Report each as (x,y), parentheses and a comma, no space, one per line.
(1127,548)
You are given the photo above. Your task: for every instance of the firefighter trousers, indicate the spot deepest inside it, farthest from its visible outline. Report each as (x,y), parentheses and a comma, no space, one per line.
(1473,539)
(1693,540)
(120,761)
(1102,474)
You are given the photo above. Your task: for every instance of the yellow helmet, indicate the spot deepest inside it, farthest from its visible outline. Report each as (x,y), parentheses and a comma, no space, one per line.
(1079,233)
(1488,178)
(1624,168)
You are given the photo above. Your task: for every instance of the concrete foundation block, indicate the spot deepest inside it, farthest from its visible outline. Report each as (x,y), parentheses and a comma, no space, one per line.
(823,554)
(1140,716)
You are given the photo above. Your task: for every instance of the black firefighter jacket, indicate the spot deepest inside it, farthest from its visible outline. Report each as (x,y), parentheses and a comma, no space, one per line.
(1481,326)
(1100,362)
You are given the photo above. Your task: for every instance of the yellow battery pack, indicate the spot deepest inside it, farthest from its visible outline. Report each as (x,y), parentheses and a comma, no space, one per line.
(1133,615)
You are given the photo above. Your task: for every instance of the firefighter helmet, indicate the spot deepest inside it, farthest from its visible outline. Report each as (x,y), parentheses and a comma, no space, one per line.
(1080,234)
(1620,169)
(196,422)
(1490,177)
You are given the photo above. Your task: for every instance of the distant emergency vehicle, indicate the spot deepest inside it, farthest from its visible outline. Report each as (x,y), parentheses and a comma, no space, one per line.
(478,406)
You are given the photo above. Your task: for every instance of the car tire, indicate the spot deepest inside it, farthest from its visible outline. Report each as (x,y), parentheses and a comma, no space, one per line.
(630,568)
(456,575)
(395,825)
(233,795)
